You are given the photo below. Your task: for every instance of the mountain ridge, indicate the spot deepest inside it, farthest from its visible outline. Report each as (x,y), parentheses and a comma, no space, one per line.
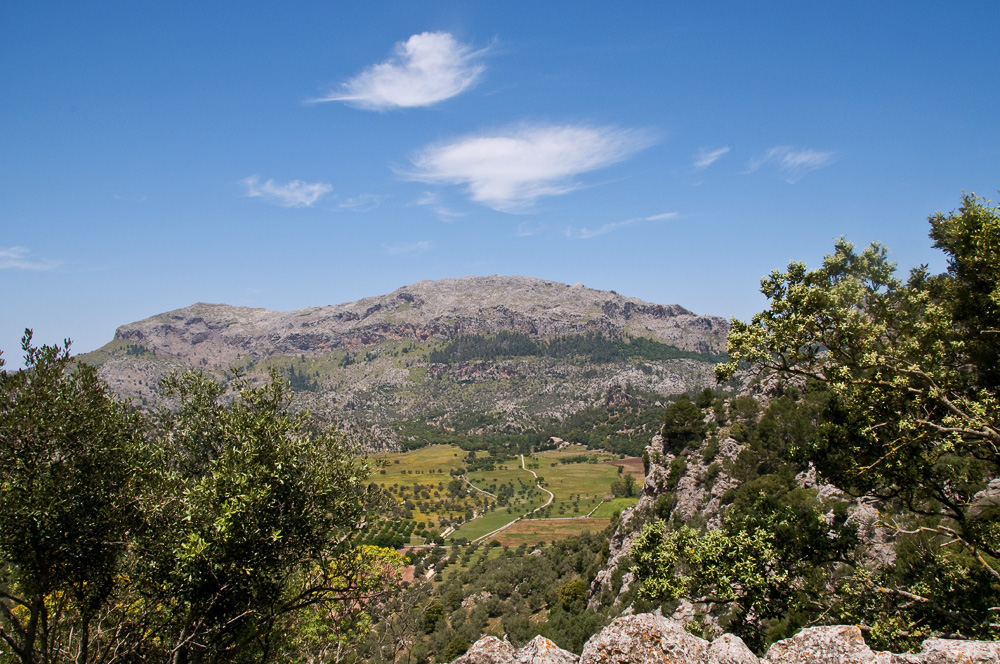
(366,361)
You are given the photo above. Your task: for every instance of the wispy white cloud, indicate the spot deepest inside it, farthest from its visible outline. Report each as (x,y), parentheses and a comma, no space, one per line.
(19,258)
(431,200)
(524,229)
(427,198)
(791,162)
(511,169)
(426,69)
(292,194)
(362,203)
(706,157)
(407,247)
(587,233)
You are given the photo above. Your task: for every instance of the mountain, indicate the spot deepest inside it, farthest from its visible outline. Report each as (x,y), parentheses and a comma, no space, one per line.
(474,355)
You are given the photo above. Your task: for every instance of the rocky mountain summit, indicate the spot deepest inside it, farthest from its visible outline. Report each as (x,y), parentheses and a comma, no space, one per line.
(652,639)
(380,360)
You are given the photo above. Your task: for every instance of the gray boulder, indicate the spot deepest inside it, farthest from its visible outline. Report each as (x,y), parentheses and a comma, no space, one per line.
(542,651)
(730,649)
(491,650)
(646,638)
(488,650)
(650,638)
(841,644)
(952,651)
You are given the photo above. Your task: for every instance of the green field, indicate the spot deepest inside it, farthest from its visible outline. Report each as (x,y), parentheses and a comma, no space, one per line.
(421,482)
(485,524)
(578,487)
(611,507)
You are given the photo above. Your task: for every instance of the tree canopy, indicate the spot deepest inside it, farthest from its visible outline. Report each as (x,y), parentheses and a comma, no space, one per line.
(68,456)
(223,529)
(914,418)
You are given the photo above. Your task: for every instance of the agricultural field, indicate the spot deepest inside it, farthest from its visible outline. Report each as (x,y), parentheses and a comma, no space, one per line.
(632,466)
(436,500)
(611,507)
(580,479)
(534,532)
(427,491)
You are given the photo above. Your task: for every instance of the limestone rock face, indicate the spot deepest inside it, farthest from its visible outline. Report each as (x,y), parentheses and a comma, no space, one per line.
(841,644)
(645,638)
(369,363)
(488,650)
(491,650)
(650,638)
(542,651)
(730,649)
(947,651)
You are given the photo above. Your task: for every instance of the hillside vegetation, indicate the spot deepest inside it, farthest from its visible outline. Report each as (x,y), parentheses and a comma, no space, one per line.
(858,482)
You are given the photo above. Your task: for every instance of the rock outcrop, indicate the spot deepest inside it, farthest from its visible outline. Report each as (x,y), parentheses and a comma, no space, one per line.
(653,639)
(491,650)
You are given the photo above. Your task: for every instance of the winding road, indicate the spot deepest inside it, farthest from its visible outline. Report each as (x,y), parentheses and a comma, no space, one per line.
(538,485)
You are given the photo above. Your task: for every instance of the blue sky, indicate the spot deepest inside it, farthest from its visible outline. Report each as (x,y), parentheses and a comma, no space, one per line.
(286,155)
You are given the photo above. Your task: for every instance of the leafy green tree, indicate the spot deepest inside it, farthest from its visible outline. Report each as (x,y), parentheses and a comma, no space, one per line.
(433,614)
(574,590)
(332,630)
(624,485)
(914,417)
(228,532)
(258,522)
(69,465)
(683,424)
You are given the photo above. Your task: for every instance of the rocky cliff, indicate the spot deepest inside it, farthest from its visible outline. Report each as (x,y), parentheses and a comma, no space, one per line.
(652,639)
(368,363)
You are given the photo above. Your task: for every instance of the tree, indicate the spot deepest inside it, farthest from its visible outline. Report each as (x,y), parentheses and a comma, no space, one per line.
(683,424)
(912,367)
(69,468)
(226,532)
(258,522)
(624,485)
(768,569)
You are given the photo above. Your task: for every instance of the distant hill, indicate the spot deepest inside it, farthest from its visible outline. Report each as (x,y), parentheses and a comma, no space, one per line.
(469,356)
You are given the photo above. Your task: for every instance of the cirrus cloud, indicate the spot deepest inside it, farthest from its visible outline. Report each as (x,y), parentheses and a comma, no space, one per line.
(426,69)
(587,233)
(511,169)
(292,194)
(793,163)
(362,203)
(708,157)
(19,258)
(407,247)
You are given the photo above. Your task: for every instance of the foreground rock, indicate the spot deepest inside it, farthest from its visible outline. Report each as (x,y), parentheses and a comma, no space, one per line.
(491,650)
(653,639)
